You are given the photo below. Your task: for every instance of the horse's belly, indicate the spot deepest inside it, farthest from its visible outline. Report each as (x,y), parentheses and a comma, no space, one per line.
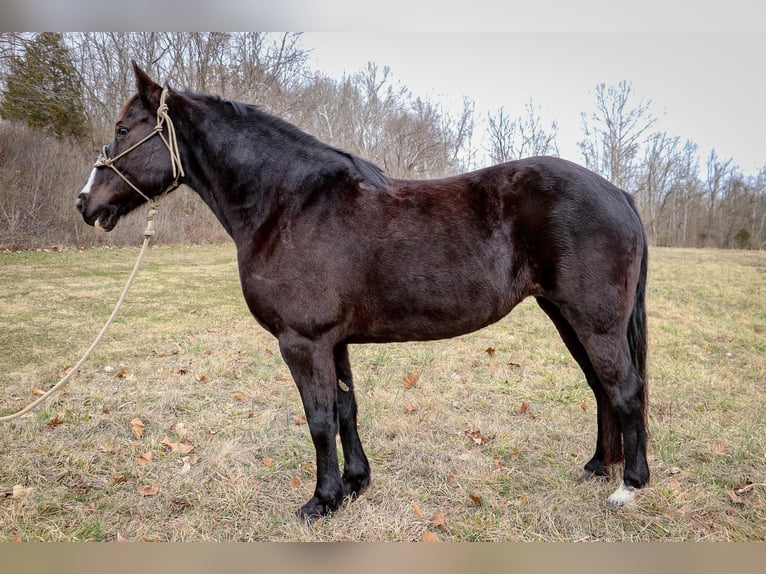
(412,315)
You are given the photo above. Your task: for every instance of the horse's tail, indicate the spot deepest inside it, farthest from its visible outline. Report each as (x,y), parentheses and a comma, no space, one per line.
(637,331)
(637,326)
(637,343)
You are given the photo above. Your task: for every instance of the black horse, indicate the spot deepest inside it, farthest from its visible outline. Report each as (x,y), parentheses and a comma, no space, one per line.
(332,252)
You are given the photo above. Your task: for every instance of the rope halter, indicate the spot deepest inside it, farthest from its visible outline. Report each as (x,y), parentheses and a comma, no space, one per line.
(163,119)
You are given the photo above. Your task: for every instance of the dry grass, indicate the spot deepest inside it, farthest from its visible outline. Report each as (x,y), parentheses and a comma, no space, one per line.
(187,360)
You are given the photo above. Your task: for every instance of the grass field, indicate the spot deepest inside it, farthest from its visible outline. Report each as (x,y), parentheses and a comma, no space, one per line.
(185,425)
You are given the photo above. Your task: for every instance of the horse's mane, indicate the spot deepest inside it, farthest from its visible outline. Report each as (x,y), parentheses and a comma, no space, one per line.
(365,170)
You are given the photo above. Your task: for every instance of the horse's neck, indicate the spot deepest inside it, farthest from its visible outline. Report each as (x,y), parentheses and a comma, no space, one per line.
(240,187)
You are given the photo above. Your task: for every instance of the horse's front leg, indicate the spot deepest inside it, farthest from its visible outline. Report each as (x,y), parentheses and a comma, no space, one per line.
(313,368)
(356,468)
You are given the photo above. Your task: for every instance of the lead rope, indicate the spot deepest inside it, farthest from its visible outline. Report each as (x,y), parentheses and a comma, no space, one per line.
(175,159)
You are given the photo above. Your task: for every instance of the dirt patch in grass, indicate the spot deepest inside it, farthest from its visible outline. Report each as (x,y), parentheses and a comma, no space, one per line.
(484,446)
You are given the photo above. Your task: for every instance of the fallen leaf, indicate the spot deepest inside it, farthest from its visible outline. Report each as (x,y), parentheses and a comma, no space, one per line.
(105,412)
(584,406)
(186,465)
(410,407)
(734,497)
(238,396)
(490,351)
(438,519)
(193,458)
(55,421)
(201,378)
(429,536)
(675,486)
(183,447)
(80,488)
(267,462)
(299,420)
(721,447)
(452,478)
(295,483)
(410,380)
(37,392)
(416,510)
(180,371)
(145,458)
(149,490)
(119,478)
(121,373)
(108,446)
(121,538)
(515,453)
(137,426)
(496,462)
(477,437)
(477,500)
(524,407)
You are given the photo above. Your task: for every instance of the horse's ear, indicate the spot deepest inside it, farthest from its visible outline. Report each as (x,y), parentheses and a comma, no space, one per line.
(148,90)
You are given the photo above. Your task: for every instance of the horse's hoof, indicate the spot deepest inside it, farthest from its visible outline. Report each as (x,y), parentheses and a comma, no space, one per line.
(622,496)
(313,510)
(595,467)
(588,476)
(353,487)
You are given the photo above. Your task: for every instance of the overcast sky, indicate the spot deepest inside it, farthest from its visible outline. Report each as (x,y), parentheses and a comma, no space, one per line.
(708,87)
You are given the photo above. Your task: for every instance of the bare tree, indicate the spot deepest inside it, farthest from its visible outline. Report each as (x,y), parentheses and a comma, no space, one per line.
(614,133)
(520,137)
(668,172)
(719,173)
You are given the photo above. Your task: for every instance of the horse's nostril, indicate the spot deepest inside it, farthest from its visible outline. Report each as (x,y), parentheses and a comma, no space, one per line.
(78,203)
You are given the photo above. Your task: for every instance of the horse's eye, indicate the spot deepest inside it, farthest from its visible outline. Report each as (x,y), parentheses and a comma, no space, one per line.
(121,131)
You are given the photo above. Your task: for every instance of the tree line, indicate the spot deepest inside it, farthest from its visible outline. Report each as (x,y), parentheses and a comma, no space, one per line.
(60,93)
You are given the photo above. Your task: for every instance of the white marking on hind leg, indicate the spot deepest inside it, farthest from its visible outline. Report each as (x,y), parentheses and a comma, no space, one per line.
(622,496)
(89,183)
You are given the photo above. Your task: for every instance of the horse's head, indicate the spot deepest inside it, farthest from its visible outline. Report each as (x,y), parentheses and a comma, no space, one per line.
(140,163)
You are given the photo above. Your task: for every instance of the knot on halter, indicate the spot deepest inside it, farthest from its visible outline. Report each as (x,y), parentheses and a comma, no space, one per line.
(154,209)
(103,160)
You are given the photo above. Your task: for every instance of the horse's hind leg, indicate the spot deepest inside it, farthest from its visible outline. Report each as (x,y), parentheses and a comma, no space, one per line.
(625,394)
(356,469)
(608,438)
